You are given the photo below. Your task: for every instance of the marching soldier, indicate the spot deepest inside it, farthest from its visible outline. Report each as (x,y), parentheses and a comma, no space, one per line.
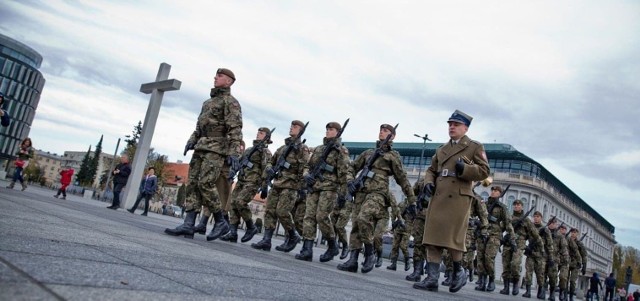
(523,229)
(561,257)
(576,262)
(565,265)
(538,256)
(419,249)
(401,232)
(499,222)
(478,223)
(216,142)
(341,217)
(454,167)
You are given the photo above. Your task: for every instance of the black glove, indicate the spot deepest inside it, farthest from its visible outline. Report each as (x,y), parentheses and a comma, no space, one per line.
(419,205)
(309,180)
(430,189)
(234,166)
(302,194)
(351,187)
(341,201)
(271,173)
(187,147)
(412,210)
(550,263)
(264,192)
(459,167)
(485,237)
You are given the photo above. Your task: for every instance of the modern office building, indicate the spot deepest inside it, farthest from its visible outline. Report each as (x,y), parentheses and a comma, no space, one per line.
(21,83)
(530,182)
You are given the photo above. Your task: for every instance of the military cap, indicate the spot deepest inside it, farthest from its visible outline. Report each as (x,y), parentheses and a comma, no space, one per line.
(388,127)
(574,230)
(498,188)
(334,125)
(537,213)
(517,202)
(563,226)
(265,130)
(460,117)
(298,123)
(226,72)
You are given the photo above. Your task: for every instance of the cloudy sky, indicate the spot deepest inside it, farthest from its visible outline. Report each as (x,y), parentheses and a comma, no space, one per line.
(558,80)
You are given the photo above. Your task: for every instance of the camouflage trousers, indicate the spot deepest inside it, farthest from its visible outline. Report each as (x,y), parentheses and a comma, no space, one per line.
(205,175)
(447,261)
(563,277)
(367,210)
(241,196)
(319,205)
(467,258)
(534,263)
(298,212)
(419,250)
(487,255)
(552,275)
(400,243)
(380,227)
(573,277)
(279,206)
(340,218)
(511,263)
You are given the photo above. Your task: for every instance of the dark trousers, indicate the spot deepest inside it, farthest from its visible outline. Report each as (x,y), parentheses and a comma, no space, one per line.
(17,175)
(608,294)
(63,190)
(146,197)
(117,189)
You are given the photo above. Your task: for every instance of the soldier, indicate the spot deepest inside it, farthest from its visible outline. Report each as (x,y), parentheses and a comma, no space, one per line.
(382,225)
(401,233)
(478,224)
(565,265)
(538,256)
(216,142)
(454,167)
(331,161)
(499,222)
(576,262)
(419,250)
(561,257)
(250,179)
(512,257)
(341,216)
(373,196)
(286,189)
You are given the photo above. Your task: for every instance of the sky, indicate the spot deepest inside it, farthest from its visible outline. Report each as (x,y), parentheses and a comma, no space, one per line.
(558,80)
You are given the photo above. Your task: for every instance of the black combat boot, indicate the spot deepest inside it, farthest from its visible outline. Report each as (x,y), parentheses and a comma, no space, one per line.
(220,227)
(307,251)
(331,251)
(265,243)
(417,271)
(541,292)
(571,294)
(201,227)
(284,243)
(249,232)
(447,278)
(186,228)
(516,288)
(369,259)
(378,258)
(431,282)
(345,250)
(527,293)
(552,296)
(232,236)
(294,239)
(491,285)
(351,265)
(482,283)
(458,277)
(505,290)
(392,266)
(406,263)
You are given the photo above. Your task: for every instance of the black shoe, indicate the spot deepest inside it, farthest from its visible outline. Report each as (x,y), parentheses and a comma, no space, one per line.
(201,227)
(515,290)
(369,259)
(406,263)
(265,243)
(345,250)
(505,290)
(232,236)
(378,259)
(143,213)
(393,265)
(56,196)
(527,292)
(186,228)
(491,286)
(416,276)
(131,210)
(250,232)
(113,207)
(220,227)
(306,253)
(331,252)
(351,265)
(541,293)
(294,239)
(482,283)
(431,282)
(458,277)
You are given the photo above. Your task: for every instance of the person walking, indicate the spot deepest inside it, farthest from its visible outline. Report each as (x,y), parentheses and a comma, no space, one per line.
(594,284)
(120,175)
(217,145)
(25,153)
(148,187)
(610,287)
(65,179)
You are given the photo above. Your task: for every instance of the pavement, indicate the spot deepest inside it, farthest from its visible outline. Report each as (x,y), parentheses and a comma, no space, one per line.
(76,249)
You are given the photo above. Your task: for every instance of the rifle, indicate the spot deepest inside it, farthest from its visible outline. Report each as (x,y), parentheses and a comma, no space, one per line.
(244,161)
(322,165)
(282,163)
(519,221)
(583,236)
(358,182)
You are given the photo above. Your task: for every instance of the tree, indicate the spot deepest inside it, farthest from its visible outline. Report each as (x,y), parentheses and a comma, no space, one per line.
(132,140)
(83,174)
(93,163)
(623,257)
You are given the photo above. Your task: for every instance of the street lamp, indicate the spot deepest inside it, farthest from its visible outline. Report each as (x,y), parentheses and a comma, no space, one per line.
(424,144)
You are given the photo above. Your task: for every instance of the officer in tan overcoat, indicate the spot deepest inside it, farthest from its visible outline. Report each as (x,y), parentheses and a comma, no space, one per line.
(454,167)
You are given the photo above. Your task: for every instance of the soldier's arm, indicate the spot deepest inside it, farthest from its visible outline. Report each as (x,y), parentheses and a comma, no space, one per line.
(583,252)
(344,170)
(507,222)
(266,158)
(395,210)
(358,163)
(400,176)
(483,215)
(549,245)
(533,233)
(303,158)
(478,169)
(233,122)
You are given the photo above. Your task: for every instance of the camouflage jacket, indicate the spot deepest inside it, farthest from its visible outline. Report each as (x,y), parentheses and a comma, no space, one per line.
(499,218)
(561,254)
(417,188)
(336,172)
(583,252)
(525,230)
(219,126)
(290,178)
(574,254)
(387,165)
(259,161)
(547,248)
(479,210)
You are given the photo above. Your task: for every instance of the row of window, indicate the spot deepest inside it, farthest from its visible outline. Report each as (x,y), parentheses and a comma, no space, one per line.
(18,56)
(21,73)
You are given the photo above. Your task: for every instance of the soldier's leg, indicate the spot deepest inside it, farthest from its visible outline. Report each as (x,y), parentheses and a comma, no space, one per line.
(507,256)
(270,219)
(490,258)
(480,265)
(298,213)
(210,174)
(563,277)
(355,244)
(325,224)
(516,270)
(371,211)
(395,246)
(193,201)
(310,223)
(434,257)
(223,187)
(419,253)
(288,198)
(341,222)
(552,274)
(573,277)
(540,269)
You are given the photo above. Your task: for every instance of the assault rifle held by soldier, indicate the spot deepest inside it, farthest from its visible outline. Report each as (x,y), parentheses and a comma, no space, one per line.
(322,166)
(282,163)
(244,161)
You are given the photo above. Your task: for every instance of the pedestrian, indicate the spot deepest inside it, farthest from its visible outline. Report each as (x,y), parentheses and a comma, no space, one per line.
(326,181)
(148,187)
(25,153)
(594,282)
(636,295)
(454,167)
(216,142)
(287,180)
(372,196)
(250,179)
(610,286)
(622,293)
(5,119)
(65,179)
(120,175)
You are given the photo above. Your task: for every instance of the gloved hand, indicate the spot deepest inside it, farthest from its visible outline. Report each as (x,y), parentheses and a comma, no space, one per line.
(459,167)
(233,162)
(341,201)
(412,210)
(484,236)
(309,180)
(527,250)
(550,263)
(302,194)
(351,187)
(513,245)
(190,145)
(271,173)
(264,191)
(430,189)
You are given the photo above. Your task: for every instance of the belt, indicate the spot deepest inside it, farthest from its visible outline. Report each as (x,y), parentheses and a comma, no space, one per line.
(445,173)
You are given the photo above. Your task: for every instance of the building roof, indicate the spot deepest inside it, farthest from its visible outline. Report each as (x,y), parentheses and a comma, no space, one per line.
(180,170)
(494,151)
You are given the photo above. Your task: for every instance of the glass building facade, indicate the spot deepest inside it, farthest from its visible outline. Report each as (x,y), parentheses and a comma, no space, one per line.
(21,83)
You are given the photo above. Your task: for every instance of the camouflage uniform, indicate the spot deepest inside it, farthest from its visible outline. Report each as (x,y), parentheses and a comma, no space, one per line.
(250,179)
(417,231)
(478,222)
(401,236)
(560,258)
(539,256)
(499,222)
(575,264)
(523,229)
(340,218)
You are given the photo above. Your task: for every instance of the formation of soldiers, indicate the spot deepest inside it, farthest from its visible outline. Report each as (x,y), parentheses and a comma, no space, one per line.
(323,189)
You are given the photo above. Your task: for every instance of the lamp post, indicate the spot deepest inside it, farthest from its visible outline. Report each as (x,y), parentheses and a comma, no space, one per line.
(424,144)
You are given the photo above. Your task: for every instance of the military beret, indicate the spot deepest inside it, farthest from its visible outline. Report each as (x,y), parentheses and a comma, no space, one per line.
(498,188)
(265,130)
(460,117)
(226,72)
(574,230)
(334,125)
(388,127)
(537,213)
(517,202)
(298,123)
(563,227)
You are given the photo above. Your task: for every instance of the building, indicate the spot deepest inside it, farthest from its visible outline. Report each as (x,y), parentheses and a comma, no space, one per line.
(21,83)
(530,182)
(50,166)
(73,159)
